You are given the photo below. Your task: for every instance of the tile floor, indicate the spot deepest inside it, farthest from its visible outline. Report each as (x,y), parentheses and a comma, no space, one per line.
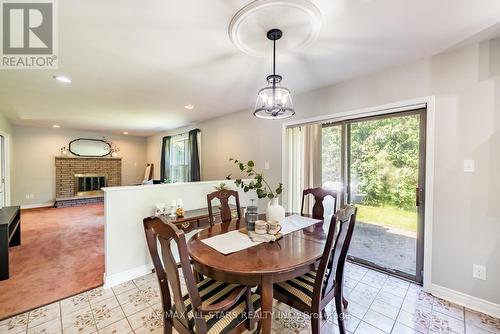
(378,304)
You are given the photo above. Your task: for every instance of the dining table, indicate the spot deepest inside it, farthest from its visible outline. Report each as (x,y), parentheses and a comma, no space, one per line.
(294,254)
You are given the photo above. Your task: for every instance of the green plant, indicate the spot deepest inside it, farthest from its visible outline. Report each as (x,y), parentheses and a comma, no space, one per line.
(259,184)
(222,186)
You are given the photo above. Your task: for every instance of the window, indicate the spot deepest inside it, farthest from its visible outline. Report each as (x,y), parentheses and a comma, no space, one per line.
(179,159)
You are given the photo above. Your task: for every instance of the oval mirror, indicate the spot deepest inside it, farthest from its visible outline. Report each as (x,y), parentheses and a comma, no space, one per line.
(84,147)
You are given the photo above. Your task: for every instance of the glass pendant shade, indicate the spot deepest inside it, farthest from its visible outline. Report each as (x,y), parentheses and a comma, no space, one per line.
(274,101)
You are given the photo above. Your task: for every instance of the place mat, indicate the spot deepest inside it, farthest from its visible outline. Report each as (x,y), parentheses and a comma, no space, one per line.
(235,241)
(296,222)
(230,242)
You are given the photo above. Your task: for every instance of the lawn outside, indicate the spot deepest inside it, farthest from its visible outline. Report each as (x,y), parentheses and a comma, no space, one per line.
(388,216)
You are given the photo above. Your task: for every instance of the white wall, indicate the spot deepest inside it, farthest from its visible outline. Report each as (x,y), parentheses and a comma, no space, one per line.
(126,252)
(36,148)
(466,85)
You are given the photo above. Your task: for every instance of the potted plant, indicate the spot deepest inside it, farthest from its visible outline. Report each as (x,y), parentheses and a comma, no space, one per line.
(262,188)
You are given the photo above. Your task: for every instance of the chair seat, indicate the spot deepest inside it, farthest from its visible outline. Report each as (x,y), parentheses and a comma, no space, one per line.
(211,292)
(301,287)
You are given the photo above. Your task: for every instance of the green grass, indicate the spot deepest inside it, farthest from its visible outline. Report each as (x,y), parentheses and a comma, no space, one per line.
(388,216)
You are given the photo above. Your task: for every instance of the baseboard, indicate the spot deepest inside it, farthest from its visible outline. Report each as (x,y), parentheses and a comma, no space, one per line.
(39,205)
(124,276)
(466,300)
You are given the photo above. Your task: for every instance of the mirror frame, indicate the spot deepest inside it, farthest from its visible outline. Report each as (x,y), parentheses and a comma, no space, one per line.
(90,156)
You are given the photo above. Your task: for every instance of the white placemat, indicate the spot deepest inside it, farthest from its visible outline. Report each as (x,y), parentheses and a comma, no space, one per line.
(296,222)
(235,241)
(230,242)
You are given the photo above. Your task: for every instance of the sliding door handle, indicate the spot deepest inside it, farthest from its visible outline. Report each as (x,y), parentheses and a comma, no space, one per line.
(418,196)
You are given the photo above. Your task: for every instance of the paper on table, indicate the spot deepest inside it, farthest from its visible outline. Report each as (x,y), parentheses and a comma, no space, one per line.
(295,222)
(230,242)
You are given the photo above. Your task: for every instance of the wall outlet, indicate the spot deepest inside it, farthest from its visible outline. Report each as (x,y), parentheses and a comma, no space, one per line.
(469,166)
(266,165)
(27,196)
(479,271)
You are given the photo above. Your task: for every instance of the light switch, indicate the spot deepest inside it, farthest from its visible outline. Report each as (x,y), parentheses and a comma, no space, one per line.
(266,165)
(469,166)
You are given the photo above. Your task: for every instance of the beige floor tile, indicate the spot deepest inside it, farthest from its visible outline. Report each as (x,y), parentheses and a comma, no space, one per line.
(124,287)
(109,303)
(44,314)
(402,329)
(98,294)
(80,321)
(379,321)
(140,319)
(74,303)
(51,327)
(17,324)
(104,316)
(120,327)
(365,328)
(419,320)
(475,320)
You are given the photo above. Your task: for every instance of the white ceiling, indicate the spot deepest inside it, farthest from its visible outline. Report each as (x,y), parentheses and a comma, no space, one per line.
(135,64)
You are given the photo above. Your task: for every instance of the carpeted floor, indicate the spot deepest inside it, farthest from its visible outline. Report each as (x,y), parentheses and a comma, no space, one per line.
(61,254)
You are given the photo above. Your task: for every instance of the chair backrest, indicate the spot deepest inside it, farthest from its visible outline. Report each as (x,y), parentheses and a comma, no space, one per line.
(331,267)
(158,229)
(319,194)
(225,211)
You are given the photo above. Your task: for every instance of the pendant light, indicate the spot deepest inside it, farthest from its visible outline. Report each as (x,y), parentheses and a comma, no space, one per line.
(274,101)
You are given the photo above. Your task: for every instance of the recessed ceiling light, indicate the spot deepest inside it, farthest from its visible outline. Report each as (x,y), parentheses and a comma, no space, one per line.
(62,78)
(57,126)
(189,106)
(125,132)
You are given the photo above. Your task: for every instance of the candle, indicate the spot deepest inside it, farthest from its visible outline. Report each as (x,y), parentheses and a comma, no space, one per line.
(179,202)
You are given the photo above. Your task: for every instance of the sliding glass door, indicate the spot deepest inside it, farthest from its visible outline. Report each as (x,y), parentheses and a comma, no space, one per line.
(378,164)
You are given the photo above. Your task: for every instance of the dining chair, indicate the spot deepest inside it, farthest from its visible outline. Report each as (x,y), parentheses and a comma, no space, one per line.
(312,292)
(208,307)
(319,194)
(225,211)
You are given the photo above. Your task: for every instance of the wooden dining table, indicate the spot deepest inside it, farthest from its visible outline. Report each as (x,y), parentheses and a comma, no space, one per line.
(262,265)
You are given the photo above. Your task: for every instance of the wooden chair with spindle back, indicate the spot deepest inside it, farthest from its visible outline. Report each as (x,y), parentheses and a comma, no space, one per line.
(312,292)
(209,306)
(225,210)
(319,194)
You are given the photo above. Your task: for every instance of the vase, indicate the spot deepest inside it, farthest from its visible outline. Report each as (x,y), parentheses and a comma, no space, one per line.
(275,211)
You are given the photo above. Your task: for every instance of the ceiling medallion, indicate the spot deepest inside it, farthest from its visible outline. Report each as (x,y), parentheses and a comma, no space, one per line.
(300,20)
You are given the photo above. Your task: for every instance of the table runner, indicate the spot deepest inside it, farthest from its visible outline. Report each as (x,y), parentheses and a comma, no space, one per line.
(235,241)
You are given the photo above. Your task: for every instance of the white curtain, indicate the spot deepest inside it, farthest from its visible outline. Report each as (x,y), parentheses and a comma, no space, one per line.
(302,164)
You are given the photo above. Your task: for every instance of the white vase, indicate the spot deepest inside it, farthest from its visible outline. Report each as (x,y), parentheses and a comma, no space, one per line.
(275,211)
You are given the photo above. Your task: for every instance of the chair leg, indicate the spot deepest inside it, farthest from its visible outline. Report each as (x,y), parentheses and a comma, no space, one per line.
(197,276)
(344,302)
(167,327)
(324,315)
(340,313)
(315,323)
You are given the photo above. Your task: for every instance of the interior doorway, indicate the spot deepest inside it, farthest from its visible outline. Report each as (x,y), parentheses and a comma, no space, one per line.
(3,169)
(378,164)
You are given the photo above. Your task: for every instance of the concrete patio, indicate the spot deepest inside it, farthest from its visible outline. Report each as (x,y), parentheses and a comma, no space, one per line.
(388,247)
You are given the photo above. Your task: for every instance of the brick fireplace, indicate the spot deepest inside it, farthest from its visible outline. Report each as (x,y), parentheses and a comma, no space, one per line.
(78,180)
